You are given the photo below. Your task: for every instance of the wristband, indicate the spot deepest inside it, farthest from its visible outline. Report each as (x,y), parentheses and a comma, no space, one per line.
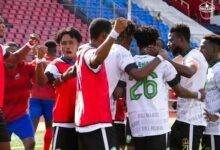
(199,95)
(38,60)
(160,57)
(114,34)
(29,45)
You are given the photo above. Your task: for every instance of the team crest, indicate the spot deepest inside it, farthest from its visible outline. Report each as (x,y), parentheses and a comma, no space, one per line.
(206,9)
(17,76)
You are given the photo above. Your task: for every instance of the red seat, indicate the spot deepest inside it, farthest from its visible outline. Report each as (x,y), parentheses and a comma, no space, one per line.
(19,36)
(49,23)
(45,32)
(42,18)
(25,22)
(33,22)
(17,3)
(50,19)
(19,16)
(63,24)
(56,24)
(12,11)
(21,30)
(64,20)
(38,9)
(5,11)
(10,35)
(17,21)
(44,37)
(34,17)
(57,19)
(27,17)
(15,7)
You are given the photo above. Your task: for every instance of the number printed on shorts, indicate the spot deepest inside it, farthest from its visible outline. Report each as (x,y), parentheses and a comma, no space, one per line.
(150,88)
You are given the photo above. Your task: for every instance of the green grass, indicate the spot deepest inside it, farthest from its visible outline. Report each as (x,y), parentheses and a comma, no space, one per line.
(16,143)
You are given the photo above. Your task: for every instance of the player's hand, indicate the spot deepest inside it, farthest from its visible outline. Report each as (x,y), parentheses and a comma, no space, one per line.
(120,24)
(34,39)
(203,94)
(40,50)
(210,117)
(151,50)
(118,93)
(163,53)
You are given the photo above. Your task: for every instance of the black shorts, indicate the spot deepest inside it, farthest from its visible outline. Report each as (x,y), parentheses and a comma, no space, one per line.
(185,136)
(4,136)
(100,139)
(210,142)
(157,142)
(65,138)
(120,133)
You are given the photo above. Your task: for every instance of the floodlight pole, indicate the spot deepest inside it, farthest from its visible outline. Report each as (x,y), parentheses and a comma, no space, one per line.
(129,10)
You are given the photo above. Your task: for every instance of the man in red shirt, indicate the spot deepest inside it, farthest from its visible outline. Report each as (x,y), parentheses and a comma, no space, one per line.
(18,78)
(42,98)
(65,136)
(12,58)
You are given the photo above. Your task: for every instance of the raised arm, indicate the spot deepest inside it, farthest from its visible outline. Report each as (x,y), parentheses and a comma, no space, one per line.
(183,70)
(23,51)
(104,49)
(141,73)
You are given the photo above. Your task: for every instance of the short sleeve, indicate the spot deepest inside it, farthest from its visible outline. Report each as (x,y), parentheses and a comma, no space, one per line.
(189,61)
(125,59)
(4,52)
(170,74)
(87,57)
(52,69)
(217,78)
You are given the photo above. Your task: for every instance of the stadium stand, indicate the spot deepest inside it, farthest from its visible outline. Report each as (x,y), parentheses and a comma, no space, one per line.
(171,16)
(43,17)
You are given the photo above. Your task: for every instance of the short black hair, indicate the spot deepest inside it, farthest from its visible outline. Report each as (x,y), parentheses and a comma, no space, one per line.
(181,30)
(99,25)
(71,31)
(213,38)
(51,45)
(128,32)
(146,35)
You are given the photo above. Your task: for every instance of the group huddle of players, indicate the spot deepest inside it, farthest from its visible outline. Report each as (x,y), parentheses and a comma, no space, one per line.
(107,99)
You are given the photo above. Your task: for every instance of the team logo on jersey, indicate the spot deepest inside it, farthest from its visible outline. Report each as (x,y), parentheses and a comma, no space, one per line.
(17,76)
(206,9)
(185,144)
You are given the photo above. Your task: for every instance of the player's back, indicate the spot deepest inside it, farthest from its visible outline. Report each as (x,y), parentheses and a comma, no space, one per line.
(147,100)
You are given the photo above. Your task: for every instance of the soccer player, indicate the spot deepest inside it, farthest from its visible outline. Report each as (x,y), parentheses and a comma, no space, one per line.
(118,60)
(18,78)
(147,100)
(210,47)
(65,136)
(188,129)
(13,58)
(42,98)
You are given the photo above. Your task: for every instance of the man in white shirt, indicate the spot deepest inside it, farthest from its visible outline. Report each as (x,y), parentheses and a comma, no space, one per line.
(188,128)
(147,100)
(210,47)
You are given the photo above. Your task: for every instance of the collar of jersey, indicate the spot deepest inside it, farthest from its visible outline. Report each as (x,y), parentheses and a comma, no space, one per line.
(67,60)
(186,52)
(214,62)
